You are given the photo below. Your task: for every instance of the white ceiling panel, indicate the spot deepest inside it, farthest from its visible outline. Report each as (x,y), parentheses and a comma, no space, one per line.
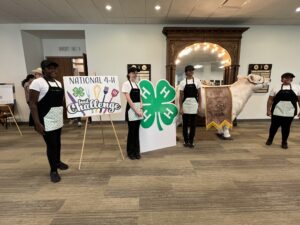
(135,20)
(35,8)
(62,9)
(87,10)
(205,8)
(182,8)
(133,8)
(16,10)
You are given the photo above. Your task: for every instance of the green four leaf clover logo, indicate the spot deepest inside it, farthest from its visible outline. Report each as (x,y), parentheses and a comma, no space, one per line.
(78,92)
(157,103)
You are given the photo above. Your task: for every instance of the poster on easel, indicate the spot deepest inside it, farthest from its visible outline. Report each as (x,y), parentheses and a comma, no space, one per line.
(88,96)
(6,94)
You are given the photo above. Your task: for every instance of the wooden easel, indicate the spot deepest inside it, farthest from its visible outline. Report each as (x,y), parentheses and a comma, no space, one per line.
(12,115)
(84,138)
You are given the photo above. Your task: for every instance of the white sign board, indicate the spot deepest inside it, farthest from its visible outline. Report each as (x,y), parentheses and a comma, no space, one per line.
(158,128)
(91,95)
(6,94)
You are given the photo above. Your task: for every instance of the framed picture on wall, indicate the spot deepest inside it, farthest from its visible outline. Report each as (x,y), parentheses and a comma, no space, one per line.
(145,70)
(263,70)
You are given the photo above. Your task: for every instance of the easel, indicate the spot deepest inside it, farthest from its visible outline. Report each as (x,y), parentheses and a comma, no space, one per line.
(12,115)
(84,138)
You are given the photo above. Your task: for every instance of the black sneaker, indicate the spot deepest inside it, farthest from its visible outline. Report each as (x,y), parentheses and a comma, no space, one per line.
(62,166)
(186,144)
(138,156)
(191,145)
(132,157)
(54,177)
(284,146)
(269,142)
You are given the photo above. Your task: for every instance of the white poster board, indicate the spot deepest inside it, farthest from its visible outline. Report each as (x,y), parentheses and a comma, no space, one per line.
(158,128)
(6,94)
(91,95)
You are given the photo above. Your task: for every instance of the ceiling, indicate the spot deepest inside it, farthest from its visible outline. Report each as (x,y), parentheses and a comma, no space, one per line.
(281,12)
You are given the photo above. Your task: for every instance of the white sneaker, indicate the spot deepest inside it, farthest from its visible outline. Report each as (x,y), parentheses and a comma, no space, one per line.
(79,124)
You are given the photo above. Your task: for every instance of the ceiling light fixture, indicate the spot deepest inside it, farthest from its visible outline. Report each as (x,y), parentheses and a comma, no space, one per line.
(108,7)
(298,10)
(198,66)
(157,7)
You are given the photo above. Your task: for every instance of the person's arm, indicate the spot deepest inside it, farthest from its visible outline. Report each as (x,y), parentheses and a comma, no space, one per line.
(131,104)
(299,105)
(269,105)
(199,100)
(33,100)
(181,102)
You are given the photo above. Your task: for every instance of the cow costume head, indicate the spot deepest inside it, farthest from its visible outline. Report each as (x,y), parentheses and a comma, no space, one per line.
(257,81)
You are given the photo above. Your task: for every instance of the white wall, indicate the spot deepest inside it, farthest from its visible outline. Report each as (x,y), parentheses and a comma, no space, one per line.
(110,48)
(51,47)
(33,51)
(12,64)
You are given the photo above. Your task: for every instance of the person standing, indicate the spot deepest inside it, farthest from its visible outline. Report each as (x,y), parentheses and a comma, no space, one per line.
(25,84)
(189,104)
(46,105)
(133,113)
(282,108)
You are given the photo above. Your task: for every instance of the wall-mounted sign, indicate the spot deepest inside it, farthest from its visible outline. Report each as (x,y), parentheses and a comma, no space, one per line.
(91,95)
(263,70)
(145,70)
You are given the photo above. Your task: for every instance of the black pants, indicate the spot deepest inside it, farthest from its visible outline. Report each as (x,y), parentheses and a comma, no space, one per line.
(52,139)
(133,139)
(189,120)
(284,123)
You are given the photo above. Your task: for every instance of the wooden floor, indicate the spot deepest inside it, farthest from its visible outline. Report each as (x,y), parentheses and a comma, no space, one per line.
(238,182)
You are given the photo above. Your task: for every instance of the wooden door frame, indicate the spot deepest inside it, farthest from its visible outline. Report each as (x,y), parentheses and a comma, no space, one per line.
(179,38)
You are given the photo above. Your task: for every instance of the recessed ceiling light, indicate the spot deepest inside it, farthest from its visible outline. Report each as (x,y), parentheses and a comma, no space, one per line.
(298,9)
(108,7)
(157,7)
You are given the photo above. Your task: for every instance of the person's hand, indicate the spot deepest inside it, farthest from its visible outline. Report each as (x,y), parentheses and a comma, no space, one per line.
(40,129)
(199,110)
(139,112)
(269,113)
(181,111)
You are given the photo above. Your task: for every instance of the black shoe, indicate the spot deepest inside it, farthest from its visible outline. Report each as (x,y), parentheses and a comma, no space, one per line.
(138,156)
(284,146)
(62,166)
(269,142)
(54,177)
(132,157)
(191,145)
(186,144)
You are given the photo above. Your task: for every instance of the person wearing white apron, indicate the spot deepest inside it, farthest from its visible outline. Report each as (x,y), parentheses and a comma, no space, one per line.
(46,105)
(133,113)
(189,103)
(282,108)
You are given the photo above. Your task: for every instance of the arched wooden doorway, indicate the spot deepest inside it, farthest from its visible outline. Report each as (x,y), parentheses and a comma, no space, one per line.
(179,38)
